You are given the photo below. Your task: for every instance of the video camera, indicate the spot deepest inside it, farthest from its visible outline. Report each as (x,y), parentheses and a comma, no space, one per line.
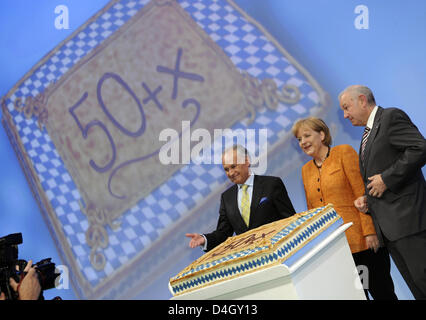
(8,267)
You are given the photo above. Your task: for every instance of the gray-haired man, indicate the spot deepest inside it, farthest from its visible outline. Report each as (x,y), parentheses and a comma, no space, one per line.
(392,154)
(252,201)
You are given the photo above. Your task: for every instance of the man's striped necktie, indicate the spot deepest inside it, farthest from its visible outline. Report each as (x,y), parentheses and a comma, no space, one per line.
(364,141)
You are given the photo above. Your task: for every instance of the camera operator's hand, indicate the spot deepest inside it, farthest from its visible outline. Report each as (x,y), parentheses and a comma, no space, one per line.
(29,287)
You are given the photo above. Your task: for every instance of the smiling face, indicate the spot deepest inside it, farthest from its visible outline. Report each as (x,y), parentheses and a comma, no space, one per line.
(354,108)
(236,166)
(310,141)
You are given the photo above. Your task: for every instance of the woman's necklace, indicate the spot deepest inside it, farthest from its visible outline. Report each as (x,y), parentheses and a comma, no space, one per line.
(319,166)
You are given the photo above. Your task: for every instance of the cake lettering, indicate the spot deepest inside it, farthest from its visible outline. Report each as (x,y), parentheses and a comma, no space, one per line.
(242,242)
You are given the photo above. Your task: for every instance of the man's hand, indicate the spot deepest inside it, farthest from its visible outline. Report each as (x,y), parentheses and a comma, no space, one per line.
(361,204)
(29,287)
(376,186)
(196,239)
(372,242)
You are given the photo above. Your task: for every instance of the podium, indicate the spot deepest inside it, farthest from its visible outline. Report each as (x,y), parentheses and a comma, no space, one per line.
(326,270)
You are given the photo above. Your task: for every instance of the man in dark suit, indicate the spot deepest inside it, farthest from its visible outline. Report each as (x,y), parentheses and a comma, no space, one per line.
(251,202)
(392,154)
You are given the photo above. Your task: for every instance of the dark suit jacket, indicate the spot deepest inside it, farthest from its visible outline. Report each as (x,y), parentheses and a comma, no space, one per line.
(270,202)
(396,150)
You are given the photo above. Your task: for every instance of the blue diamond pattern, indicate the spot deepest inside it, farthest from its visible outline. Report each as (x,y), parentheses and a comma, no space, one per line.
(244,44)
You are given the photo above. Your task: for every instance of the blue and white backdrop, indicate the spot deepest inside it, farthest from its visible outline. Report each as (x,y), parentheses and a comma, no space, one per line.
(116,226)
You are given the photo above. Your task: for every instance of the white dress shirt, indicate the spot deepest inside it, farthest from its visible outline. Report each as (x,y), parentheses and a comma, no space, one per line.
(370,120)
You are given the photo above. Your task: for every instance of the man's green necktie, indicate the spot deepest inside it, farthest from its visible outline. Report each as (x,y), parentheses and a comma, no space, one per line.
(245,205)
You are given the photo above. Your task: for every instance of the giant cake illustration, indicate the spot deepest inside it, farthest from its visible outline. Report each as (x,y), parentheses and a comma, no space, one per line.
(87,123)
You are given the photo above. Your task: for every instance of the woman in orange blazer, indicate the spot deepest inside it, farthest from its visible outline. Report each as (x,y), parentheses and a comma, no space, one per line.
(333,176)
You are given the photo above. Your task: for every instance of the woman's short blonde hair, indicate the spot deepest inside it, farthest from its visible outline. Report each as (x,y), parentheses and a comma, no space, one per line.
(315,124)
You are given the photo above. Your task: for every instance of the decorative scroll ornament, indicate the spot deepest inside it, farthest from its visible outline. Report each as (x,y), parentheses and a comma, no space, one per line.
(265,93)
(96,234)
(34,106)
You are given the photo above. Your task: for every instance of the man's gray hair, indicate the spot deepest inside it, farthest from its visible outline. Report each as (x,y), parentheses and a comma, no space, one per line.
(242,152)
(356,90)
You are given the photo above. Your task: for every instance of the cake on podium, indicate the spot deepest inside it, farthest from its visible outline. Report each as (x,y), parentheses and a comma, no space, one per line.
(305,256)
